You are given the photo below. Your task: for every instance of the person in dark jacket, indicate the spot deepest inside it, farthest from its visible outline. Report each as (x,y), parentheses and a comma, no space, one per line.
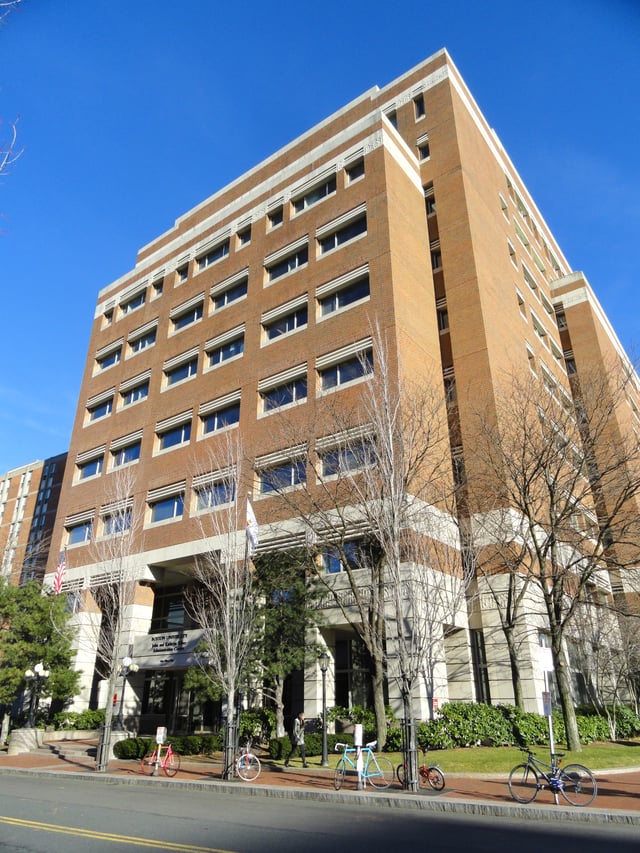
(297,740)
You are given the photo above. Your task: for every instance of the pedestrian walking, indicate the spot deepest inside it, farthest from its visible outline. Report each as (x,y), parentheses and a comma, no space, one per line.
(297,740)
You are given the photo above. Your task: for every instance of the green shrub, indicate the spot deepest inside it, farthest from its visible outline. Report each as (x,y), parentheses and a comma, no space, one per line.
(133,747)
(528,729)
(394,740)
(79,720)
(257,724)
(211,743)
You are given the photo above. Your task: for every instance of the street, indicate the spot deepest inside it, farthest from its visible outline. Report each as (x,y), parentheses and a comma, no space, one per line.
(74,815)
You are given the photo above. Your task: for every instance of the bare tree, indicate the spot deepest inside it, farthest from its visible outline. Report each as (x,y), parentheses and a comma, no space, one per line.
(223,600)
(557,486)
(9,151)
(379,477)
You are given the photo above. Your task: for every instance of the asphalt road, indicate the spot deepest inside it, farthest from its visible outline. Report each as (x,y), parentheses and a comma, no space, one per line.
(40,816)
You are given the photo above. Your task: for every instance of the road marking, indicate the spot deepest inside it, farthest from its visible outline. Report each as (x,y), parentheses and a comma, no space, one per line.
(111,836)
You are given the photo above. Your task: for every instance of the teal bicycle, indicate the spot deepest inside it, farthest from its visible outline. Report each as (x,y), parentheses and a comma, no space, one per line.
(377,770)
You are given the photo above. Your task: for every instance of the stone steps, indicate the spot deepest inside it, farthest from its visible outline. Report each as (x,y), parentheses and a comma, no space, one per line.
(70,749)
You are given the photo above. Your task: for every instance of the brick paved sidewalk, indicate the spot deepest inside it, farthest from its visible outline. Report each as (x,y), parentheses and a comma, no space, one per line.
(617,790)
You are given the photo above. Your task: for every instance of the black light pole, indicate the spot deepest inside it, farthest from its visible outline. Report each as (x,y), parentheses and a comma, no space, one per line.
(324,666)
(36,676)
(126,667)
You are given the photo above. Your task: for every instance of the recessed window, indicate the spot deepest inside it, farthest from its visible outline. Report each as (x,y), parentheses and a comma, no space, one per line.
(167,508)
(288,264)
(355,170)
(135,302)
(126,455)
(136,394)
(436,259)
(430,202)
(107,318)
(276,216)
(182,274)
(284,325)
(424,150)
(342,460)
(235,291)
(226,351)
(334,558)
(90,468)
(344,234)
(188,317)
(346,296)
(109,359)
(244,236)
(181,372)
(215,494)
(443,320)
(175,436)
(220,419)
(419,107)
(117,524)
(285,394)
(142,341)
(286,475)
(158,287)
(101,409)
(313,196)
(392,115)
(213,255)
(79,533)
(344,372)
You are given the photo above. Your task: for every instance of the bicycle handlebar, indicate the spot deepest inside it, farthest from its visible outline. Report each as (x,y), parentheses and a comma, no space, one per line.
(340,746)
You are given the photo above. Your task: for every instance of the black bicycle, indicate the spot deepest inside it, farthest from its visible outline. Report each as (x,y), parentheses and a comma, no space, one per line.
(576,783)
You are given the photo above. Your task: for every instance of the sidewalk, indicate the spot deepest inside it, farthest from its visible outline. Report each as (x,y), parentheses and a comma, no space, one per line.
(618,799)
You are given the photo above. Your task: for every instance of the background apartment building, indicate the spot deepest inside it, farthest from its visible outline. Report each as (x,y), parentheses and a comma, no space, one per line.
(401,209)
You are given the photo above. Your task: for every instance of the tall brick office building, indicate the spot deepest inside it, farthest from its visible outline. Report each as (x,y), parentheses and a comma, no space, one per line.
(402,208)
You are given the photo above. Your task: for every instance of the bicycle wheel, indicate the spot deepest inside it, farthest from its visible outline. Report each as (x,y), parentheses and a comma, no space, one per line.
(435,777)
(379,772)
(523,783)
(248,767)
(341,772)
(579,786)
(401,773)
(171,764)
(148,763)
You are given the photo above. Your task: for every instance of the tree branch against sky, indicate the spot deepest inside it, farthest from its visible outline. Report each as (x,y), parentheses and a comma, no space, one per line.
(9,151)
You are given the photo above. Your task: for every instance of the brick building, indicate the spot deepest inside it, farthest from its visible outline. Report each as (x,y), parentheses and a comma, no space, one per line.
(402,208)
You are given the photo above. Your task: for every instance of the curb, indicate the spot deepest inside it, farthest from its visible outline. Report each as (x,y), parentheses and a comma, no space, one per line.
(401,800)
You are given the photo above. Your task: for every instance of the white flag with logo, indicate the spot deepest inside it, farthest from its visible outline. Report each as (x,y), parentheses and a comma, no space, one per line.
(252,528)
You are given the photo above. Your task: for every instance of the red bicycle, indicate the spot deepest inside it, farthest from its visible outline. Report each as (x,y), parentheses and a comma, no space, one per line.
(162,756)
(428,774)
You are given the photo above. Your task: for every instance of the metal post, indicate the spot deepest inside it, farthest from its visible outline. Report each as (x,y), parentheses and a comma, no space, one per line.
(324,665)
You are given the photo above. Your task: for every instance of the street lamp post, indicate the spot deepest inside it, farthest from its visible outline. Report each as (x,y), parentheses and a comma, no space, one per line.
(126,667)
(323,659)
(36,676)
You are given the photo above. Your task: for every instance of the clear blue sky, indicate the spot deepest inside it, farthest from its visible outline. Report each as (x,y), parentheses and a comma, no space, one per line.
(134,112)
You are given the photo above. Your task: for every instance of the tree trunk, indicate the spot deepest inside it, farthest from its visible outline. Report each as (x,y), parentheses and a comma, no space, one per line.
(378,702)
(230,737)
(278,691)
(566,700)
(516,681)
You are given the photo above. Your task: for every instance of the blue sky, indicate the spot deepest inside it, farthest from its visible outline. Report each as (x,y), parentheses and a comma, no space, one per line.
(133,112)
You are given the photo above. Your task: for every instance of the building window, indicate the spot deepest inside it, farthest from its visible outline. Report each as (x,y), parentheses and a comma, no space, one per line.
(215,494)
(276,217)
(158,287)
(169,614)
(430,202)
(135,302)
(343,460)
(182,274)
(424,150)
(436,259)
(351,554)
(221,419)
(286,475)
(443,320)
(392,115)
(355,170)
(79,533)
(313,196)
(288,264)
(284,395)
(91,468)
(175,436)
(213,255)
(147,339)
(347,371)
(352,230)
(292,322)
(235,291)
(166,509)
(346,296)
(419,107)
(244,236)
(100,410)
(226,351)
(182,372)
(118,523)
(188,317)
(109,359)
(126,455)
(136,394)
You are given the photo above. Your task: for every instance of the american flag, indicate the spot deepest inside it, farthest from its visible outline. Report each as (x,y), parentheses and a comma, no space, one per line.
(60,572)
